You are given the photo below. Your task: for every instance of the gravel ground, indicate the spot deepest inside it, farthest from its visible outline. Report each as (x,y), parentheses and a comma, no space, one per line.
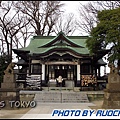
(16,114)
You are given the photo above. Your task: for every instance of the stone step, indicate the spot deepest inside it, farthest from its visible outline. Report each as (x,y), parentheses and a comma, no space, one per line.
(64,97)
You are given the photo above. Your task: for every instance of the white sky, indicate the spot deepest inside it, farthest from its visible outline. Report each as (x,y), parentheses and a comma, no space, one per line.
(72,7)
(73,4)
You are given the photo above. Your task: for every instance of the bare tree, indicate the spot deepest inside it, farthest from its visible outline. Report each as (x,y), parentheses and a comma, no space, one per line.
(108,4)
(26,33)
(66,24)
(42,14)
(88,13)
(10,24)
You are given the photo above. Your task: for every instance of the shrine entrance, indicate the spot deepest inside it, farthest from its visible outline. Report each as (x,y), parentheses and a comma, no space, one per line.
(61,70)
(68,71)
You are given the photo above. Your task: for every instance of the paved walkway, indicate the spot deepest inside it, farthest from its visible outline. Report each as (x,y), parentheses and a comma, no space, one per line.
(45,110)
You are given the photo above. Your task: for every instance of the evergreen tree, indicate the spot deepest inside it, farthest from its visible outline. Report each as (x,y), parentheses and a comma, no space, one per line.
(106,35)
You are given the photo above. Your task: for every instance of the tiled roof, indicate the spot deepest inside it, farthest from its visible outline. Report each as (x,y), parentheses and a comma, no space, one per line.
(43,44)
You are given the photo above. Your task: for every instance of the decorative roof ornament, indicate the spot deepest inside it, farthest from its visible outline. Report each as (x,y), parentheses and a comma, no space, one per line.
(61,32)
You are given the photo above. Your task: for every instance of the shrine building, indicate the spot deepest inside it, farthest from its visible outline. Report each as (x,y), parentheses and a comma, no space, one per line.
(60,55)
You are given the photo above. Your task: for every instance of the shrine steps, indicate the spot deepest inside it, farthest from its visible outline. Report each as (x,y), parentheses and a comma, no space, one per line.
(61,97)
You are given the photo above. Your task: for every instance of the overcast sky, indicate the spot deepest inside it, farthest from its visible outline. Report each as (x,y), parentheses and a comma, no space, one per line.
(72,7)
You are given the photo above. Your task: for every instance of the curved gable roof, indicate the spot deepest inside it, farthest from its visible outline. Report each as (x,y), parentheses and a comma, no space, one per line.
(63,39)
(46,44)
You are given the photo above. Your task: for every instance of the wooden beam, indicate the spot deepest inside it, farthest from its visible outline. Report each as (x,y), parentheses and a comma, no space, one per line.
(61,62)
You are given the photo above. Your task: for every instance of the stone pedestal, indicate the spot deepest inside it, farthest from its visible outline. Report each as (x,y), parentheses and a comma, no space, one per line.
(8,95)
(8,81)
(111,99)
(8,90)
(112,91)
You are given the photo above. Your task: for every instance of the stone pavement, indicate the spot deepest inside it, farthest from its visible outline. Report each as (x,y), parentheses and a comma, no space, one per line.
(44,110)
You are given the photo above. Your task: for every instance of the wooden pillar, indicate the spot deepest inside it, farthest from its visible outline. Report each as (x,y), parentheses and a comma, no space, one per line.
(104,69)
(78,72)
(74,75)
(43,71)
(29,65)
(99,71)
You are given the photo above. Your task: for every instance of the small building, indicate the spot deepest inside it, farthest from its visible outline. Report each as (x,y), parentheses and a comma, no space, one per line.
(61,55)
